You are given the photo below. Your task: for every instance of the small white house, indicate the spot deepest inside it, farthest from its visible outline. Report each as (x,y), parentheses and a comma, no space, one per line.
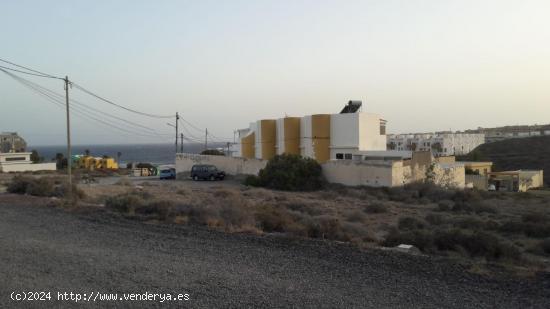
(21,162)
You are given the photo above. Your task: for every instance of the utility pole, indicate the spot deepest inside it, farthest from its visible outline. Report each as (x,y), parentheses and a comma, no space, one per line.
(181,146)
(69,155)
(206,140)
(177,120)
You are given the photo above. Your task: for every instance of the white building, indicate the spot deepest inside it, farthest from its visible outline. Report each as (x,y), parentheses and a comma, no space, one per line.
(322,137)
(21,162)
(440,144)
(351,133)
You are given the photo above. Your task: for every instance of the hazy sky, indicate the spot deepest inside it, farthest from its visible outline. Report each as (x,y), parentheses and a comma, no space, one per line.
(422,65)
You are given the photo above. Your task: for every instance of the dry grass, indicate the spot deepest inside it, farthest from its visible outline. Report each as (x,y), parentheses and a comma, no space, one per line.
(499,227)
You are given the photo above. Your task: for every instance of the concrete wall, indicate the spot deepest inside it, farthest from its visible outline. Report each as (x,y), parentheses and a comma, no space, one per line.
(479,182)
(450,175)
(320,129)
(369,132)
(27,167)
(353,173)
(265,139)
(344,133)
(280,136)
(248,146)
(306,142)
(288,135)
(315,137)
(17,156)
(230,165)
(483,168)
(347,172)
(445,159)
(530,180)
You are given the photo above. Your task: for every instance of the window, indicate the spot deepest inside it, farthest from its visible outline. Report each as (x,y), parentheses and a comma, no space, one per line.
(348,156)
(16,159)
(339,156)
(383,129)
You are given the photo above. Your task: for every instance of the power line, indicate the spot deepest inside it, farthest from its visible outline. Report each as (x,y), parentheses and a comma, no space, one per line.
(117,105)
(12,69)
(187,131)
(215,138)
(78,112)
(80,104)
(29,69)
(42,74)
(192,125)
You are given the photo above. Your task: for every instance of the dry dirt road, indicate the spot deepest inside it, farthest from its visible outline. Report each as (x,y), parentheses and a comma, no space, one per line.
(48,249)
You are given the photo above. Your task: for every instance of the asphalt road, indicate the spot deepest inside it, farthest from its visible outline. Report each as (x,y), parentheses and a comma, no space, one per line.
(48,249)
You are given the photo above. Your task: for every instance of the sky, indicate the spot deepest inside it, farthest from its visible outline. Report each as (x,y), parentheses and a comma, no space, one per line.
(422,65)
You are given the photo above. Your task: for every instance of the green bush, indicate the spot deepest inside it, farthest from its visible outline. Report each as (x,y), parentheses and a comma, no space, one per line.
(530,229)
(445,205)
(434,219)
(252,180)
(535,217)
(127,203)
(61,190)
(291,173)
(476,244)
(162,209)
(42,186)
(271,219)
(469,222)
(376,208)
(212,152)
(410,223)
(19,184)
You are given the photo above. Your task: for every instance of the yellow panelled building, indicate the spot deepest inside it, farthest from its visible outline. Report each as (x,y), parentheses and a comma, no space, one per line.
(93,163)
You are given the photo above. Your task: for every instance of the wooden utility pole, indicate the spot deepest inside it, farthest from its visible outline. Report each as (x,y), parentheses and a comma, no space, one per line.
(206,140)
(69,155)
(177,120)
(181,140)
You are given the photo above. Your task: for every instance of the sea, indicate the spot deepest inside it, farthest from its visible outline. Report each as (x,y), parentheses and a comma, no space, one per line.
(156,154)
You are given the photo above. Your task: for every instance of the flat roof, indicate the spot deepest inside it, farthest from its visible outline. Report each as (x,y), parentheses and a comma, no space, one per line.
(476,162)
(14,153)
(385,153)
(451,164)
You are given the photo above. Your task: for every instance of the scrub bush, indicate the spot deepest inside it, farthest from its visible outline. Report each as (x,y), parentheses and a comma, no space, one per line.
(290,173)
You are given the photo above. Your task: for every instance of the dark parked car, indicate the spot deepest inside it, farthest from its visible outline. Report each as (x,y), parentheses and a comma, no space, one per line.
(209,172)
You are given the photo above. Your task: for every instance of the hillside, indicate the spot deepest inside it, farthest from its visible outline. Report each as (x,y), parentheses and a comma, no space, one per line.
(514,154)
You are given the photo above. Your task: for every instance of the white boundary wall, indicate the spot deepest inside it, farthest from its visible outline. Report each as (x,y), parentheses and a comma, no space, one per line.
(27,167)
(352,173)
(346,172)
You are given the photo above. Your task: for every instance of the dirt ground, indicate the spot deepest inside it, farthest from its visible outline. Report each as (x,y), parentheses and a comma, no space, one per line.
(89,250)
(364,217)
